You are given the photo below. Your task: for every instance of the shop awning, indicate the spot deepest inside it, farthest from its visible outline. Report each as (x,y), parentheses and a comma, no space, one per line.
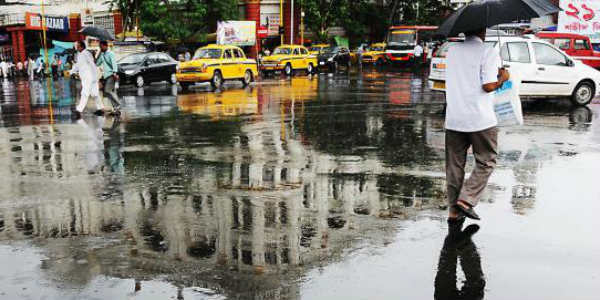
(63,45)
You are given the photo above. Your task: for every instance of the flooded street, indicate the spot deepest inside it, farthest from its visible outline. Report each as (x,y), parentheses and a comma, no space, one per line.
(328,187)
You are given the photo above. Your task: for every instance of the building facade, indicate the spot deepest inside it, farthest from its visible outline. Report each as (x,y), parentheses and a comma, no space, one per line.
(21,28)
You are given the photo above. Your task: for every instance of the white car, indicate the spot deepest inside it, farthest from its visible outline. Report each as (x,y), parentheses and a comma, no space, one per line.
(545,70)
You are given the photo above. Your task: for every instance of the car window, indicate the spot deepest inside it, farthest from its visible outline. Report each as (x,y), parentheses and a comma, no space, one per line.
(563,44)
(515,52)
(165,58)
(227,54)
(240,53)
(546,55)
(153,59)
(581,45)
(296,51)
(236,53)
(303,51)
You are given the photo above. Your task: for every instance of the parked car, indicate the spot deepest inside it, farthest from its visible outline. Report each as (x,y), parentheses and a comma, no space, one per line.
(318,48)
(144,68)
(375,55)
(216,64)
(577,46)
(288,58)
(545,70)
(335,57)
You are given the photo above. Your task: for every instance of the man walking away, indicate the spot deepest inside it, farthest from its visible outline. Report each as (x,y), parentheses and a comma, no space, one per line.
(473,73)
(30,68)
(88,73)
(418,54)
(3,69)
(107,62)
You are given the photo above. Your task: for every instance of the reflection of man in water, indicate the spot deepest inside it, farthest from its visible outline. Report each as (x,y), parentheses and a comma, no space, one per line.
(458,244)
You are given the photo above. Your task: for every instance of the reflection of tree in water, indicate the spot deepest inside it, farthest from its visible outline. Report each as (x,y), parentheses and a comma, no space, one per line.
(406,188)
(399,142)
(181,130)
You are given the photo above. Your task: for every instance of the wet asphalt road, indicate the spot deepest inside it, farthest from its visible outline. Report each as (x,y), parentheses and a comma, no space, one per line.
(330,187)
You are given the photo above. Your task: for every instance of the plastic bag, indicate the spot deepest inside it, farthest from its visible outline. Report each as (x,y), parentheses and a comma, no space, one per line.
(507,103)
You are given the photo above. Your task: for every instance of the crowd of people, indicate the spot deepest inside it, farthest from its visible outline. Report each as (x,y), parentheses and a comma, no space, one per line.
(35,68)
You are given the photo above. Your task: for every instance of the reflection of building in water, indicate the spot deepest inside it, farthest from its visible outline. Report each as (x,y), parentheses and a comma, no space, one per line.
(262,201)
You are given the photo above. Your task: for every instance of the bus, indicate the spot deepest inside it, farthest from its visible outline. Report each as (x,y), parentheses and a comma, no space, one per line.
(401,42)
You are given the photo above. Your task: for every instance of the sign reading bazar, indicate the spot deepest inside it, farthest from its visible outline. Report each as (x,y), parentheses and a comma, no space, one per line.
(580,17)
(34,21)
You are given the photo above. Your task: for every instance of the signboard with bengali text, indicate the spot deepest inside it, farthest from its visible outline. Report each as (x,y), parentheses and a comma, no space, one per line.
(580,17)
(238,33)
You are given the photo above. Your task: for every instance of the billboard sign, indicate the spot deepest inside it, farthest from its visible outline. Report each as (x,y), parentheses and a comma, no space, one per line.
(238,33)
(580,17)
(34,21)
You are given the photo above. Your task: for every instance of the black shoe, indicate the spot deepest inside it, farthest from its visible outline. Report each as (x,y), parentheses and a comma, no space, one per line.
(469,212)
(99,112)
(76,115)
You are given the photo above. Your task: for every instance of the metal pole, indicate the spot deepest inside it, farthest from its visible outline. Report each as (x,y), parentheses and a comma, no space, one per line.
(46,62)
(301,25)
(292,23)
(281,20)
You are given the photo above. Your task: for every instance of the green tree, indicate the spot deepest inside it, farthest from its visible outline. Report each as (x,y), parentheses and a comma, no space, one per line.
(323,14)
(129,11)
(179,20)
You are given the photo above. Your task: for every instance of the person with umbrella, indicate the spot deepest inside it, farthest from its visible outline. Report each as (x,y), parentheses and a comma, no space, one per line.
(88,73)
(108,63)
(473,72)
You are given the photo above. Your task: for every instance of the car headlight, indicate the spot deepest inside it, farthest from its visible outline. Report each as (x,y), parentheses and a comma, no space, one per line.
(129,72)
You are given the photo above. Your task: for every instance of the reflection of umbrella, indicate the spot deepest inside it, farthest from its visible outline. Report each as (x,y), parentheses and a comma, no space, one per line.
(486,13)
(97,32)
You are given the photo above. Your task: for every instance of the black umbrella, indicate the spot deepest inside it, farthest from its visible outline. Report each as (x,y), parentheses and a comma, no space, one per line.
(486,13)
(97,32)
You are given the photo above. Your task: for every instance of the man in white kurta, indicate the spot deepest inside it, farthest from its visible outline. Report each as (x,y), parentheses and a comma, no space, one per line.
(85,66)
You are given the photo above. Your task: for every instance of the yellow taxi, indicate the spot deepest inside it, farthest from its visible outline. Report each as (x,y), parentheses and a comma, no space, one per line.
(289,58)
(318,48)
(375,55)
(216,64)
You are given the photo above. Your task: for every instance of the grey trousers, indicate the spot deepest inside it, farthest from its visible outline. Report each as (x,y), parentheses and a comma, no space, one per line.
(485,150)
(110,92)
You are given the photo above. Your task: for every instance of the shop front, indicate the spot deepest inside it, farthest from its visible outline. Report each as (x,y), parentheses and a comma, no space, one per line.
(27,39)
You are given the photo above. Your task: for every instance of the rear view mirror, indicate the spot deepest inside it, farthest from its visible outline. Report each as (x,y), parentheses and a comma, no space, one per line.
(570,63)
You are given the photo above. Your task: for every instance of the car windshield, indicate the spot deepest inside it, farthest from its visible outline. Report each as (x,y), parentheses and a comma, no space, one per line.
(406,37)
(331,50)
(207,53)
(284,51)
(133,59)
(376,49)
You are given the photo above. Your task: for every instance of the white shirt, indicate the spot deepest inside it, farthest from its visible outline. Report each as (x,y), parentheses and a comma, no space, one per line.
(418,50)
(469,66)
(86,67)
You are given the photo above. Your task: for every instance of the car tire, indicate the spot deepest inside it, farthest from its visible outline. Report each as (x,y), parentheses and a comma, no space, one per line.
(217,80)
(173,79)
(248,78)
(139,81)
(583,94)
(185,86)
(288,70)
(311,69)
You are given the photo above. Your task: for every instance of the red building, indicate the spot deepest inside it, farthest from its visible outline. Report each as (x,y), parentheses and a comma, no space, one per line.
(267,15)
